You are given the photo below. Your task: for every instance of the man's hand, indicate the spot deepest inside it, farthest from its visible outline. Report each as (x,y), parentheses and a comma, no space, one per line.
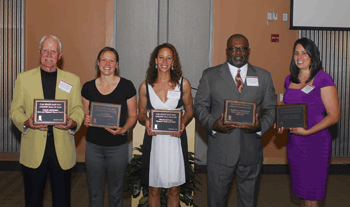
(70,124)
(254,128)
(279,130)
(227,128)
(29,123)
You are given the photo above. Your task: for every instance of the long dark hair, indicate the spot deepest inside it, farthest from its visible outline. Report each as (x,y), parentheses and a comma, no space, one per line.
(152,72)
(314,54)
(105,49)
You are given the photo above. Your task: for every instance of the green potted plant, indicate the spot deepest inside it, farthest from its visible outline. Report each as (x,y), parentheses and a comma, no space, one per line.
(133,182)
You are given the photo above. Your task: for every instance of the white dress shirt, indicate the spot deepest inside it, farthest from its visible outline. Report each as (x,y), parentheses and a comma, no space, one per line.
(234,70)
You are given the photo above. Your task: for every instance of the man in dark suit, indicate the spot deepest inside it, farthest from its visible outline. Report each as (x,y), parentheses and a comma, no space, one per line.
(234,149)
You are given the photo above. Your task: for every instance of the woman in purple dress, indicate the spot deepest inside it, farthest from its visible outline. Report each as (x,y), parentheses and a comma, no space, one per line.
(309,150)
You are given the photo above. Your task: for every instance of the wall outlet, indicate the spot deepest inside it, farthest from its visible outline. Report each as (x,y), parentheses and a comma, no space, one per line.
(281,97)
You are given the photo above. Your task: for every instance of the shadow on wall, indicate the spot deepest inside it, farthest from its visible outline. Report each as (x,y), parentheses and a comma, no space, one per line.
(280,140)
(80,134)
(60,63)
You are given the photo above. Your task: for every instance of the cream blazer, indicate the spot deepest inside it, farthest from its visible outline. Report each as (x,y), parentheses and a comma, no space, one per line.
(28,87)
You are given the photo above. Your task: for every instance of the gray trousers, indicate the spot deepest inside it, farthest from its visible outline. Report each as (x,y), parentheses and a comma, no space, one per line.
(220,178)
(100,160)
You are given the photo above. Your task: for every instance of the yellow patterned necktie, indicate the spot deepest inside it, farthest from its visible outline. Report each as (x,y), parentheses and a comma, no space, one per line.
(239,82)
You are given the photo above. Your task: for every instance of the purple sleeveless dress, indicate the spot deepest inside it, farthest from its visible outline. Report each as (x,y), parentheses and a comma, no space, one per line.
(309,156)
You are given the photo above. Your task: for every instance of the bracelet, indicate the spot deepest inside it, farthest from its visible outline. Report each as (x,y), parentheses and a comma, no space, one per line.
(125,132)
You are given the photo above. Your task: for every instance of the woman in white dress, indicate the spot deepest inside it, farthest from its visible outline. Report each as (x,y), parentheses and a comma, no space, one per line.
(165,157)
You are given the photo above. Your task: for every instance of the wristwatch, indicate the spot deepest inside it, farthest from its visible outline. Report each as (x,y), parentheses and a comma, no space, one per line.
(25,128)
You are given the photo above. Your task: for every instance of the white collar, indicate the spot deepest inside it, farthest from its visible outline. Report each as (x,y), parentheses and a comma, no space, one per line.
(234,69)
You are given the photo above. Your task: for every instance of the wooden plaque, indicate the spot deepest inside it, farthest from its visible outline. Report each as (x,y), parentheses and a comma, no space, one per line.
(50,112)
(291,116)
(105,114)
(239,112)
(165,121)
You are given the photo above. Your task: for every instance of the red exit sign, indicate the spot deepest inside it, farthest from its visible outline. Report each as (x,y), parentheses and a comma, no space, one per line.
(275,37)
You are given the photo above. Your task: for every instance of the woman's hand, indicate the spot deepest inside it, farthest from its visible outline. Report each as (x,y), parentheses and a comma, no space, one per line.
(116,130)
(299,131)
(279,130)
(87,120)
(180,132)
(87,117)
(148,127)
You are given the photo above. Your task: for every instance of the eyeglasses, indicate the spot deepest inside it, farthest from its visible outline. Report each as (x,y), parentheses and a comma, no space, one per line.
(235,49)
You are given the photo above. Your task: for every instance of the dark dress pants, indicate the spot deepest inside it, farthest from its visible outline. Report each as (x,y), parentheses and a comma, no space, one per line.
(220,178)
(35,180)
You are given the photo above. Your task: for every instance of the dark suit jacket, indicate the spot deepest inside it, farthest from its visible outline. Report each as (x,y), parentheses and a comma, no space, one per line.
(216,85)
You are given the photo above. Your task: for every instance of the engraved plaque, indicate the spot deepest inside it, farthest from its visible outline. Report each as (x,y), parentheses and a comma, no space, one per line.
(291,116)
(239,112)
(166,121)
(105,114)
(50,112)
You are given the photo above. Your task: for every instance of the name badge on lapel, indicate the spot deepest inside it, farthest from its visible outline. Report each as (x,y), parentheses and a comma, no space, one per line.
(252,81)
(65,86)
(174,94)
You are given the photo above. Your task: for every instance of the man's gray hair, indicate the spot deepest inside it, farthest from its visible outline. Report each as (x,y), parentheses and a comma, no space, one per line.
(50,36)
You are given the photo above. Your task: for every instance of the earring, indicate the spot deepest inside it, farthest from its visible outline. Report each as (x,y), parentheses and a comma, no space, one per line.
(156,66)
(172,67)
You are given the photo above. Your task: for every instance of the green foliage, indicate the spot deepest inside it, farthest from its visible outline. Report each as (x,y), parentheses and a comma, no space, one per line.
(133,181)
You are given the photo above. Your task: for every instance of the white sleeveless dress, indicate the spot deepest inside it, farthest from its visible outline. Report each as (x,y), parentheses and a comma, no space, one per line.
(167,167)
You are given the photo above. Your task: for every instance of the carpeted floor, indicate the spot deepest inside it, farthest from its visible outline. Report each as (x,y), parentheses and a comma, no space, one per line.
(274,191)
